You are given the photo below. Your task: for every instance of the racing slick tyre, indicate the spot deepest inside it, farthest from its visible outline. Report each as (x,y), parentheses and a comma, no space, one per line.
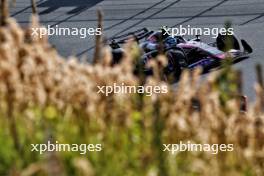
(226,42)
(176,62)
(117,55)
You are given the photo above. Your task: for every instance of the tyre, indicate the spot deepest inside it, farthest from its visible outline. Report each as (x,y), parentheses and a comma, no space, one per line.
(176,62)
(226,42)
(117,55)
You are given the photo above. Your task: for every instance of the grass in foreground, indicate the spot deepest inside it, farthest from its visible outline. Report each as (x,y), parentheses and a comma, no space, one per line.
(46,97)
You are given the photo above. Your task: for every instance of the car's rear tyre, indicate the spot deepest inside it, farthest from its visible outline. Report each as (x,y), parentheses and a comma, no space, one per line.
(176,62)
(226,42)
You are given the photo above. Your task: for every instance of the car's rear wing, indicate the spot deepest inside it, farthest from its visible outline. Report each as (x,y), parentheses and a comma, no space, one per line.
(136,35)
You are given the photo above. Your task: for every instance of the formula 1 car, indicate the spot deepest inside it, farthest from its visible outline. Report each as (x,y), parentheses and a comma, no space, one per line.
(182,53)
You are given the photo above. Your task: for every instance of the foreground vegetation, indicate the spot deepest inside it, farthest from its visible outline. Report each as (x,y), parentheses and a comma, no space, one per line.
(46,97)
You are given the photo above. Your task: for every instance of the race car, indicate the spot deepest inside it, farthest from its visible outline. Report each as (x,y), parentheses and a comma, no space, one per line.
(182,53)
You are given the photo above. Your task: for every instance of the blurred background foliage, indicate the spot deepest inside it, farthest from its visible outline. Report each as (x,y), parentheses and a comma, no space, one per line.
(44,97)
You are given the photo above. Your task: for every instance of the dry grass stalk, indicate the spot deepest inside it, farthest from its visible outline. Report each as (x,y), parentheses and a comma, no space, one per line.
(4,12)
(259,75)
(98,38)
(34,7)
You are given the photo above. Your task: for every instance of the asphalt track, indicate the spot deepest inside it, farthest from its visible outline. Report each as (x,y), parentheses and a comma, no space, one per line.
(121,16)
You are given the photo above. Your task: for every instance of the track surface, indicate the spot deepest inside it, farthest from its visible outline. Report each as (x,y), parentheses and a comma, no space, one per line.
(121,16)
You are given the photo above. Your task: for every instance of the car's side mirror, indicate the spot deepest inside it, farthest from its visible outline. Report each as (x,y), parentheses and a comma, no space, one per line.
(198,39)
